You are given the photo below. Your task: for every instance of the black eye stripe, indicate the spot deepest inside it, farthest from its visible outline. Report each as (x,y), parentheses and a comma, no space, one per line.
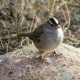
(49,23)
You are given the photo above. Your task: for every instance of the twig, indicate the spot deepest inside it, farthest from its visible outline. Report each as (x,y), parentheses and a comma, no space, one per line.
(38,19)
(22,8)
(8,16)
(72,39)
(8,39)
(59,6)
(64,17)
(51,8)
(74,5)
(68,3)
(11,38)
(8,33)
(1,42)
(24,40)
(68,15)
(78,1)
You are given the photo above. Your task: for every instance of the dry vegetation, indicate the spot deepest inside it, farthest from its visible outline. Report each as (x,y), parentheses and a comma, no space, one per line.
(22,16)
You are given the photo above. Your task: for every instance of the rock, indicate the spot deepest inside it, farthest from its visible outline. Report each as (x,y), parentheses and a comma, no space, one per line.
(21,64)
(67,76)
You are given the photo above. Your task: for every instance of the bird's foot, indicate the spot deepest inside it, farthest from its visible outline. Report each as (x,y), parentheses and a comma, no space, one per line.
(43,60)
(57,55)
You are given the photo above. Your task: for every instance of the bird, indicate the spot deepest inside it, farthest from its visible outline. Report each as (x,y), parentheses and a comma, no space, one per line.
(47,36)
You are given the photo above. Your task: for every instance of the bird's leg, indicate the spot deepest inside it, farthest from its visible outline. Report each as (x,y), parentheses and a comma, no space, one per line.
(44,60)
(54,52)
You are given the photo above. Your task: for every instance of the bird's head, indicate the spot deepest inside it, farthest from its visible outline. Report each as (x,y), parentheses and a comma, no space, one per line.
(54,22)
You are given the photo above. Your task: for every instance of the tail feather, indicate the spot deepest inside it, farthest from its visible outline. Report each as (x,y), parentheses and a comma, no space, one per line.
(24,35)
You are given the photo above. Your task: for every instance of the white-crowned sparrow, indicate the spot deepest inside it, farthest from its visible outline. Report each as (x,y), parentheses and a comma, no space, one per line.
(47,36)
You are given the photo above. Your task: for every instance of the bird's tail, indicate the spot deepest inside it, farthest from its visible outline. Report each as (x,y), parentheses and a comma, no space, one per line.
(19,37)
(24,35)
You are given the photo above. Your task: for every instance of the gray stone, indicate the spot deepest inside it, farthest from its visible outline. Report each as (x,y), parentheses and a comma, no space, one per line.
(25,65)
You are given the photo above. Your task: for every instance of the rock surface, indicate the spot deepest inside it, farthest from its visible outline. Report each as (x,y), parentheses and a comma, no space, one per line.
(23,64)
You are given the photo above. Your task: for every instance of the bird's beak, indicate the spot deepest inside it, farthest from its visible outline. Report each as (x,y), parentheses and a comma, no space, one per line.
(57,26)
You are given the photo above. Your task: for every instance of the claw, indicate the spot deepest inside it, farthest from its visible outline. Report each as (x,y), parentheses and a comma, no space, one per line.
(43,60)
(54,52)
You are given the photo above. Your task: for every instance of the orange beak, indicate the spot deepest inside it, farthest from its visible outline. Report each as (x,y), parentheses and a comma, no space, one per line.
(57,26)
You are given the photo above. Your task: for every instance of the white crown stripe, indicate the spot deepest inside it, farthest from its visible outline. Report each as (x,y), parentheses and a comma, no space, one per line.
(56,20)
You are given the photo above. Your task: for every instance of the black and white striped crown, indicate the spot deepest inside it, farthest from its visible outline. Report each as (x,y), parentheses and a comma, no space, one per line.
(53,21)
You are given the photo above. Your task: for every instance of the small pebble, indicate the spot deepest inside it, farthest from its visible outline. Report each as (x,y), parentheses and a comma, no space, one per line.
(48,59)
(27,66)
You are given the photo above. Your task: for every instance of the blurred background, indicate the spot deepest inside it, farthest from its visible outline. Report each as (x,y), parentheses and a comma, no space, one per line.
(23,16)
